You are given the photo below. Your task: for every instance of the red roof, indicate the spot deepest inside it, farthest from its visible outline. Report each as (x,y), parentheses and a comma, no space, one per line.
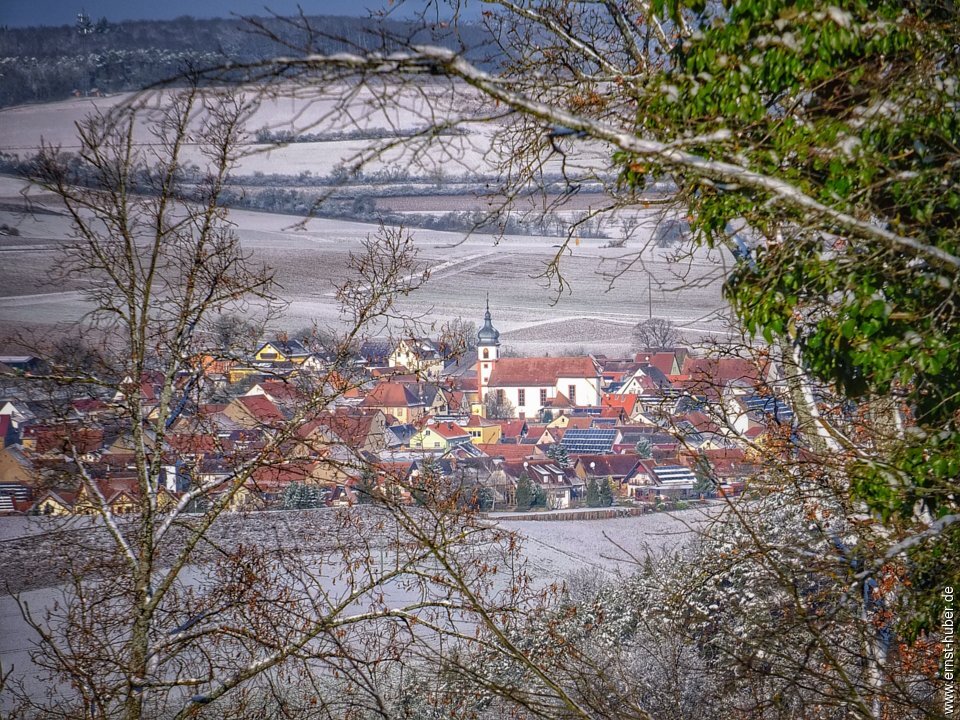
(720,371)
(478,421)
(88,405)
(662,360)
(391,395)
(512,428)
(261,409)
(193,443)
(281,391)
(617,466)
(627,402)
(507,452)
(449,430)
(533,372)
(278,477)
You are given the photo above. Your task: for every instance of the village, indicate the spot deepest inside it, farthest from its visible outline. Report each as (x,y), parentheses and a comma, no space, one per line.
(656,430)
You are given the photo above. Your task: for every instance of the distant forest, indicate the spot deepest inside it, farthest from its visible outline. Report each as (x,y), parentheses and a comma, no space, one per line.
(96,56)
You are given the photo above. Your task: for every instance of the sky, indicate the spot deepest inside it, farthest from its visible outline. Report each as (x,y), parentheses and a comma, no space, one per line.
(19,13)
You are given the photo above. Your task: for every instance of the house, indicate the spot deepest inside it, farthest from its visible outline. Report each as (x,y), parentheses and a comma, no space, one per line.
(652,482)
(55,503)
(18,412)
(407,403)
(282,350)
(22,363)
(282,393)
(254,411)
(375,352)
(617,469)
(421,356)
(483,431)
(512,431)
(269,482)
(440,436)
(530,384)
(594,441)
(509,451)
(569,421)
(562,486)
(63,438)
(14,496)
(360,429)
(15,467)
(707,377)
(668,361)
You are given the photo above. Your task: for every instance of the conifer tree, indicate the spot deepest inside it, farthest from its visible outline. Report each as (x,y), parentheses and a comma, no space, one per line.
(524,498)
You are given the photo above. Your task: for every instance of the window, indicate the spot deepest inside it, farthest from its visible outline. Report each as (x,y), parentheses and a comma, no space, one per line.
(572,394)
(499,395)
(486,353)
(521,397)
(543,397)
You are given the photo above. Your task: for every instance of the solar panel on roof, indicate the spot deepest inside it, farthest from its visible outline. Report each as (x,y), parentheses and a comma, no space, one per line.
(589,440)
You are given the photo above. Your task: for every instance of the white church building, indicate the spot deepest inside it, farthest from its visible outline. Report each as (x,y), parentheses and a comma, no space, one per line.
(532,384)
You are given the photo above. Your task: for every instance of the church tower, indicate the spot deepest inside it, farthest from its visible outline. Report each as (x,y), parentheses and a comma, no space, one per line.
(488,352)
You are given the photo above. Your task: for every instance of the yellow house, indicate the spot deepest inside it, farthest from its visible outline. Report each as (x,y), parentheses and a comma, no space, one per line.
(238,373)
(483,431)
(281,351)
(54,504)
(441,436)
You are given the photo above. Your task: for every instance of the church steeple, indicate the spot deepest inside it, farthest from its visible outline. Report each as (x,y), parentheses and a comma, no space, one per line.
(488,352)
(488,334)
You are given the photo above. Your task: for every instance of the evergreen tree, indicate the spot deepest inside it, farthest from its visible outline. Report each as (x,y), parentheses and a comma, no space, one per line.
(300,496)
(485,499)
(524,497)
(605,493)
(366,487)
(539,496)
(644,448)
(558,453)
(593,493)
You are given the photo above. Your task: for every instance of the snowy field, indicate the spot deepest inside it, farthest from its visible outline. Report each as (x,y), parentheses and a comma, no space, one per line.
(311,259)
(594,312)
(554,551)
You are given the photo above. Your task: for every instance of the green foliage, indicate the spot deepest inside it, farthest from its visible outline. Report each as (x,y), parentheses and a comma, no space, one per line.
(644,448)
(605,490)
(593,493)
(558,453)
(855,105)
(524,495)
(300,496)
(485,499)
(539,496)
(366,487)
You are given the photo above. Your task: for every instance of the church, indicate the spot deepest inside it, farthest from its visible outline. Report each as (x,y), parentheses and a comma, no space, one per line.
(534,384)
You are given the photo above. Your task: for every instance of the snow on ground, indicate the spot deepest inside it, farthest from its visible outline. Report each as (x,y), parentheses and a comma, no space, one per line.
(554,551)
(310,260)
(557,548)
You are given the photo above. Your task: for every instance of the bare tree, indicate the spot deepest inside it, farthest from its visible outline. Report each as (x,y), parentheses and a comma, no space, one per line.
(655,334)
(498,406)
(175,605)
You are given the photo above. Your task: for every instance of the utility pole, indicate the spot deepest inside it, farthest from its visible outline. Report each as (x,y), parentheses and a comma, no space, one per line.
(649,297)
